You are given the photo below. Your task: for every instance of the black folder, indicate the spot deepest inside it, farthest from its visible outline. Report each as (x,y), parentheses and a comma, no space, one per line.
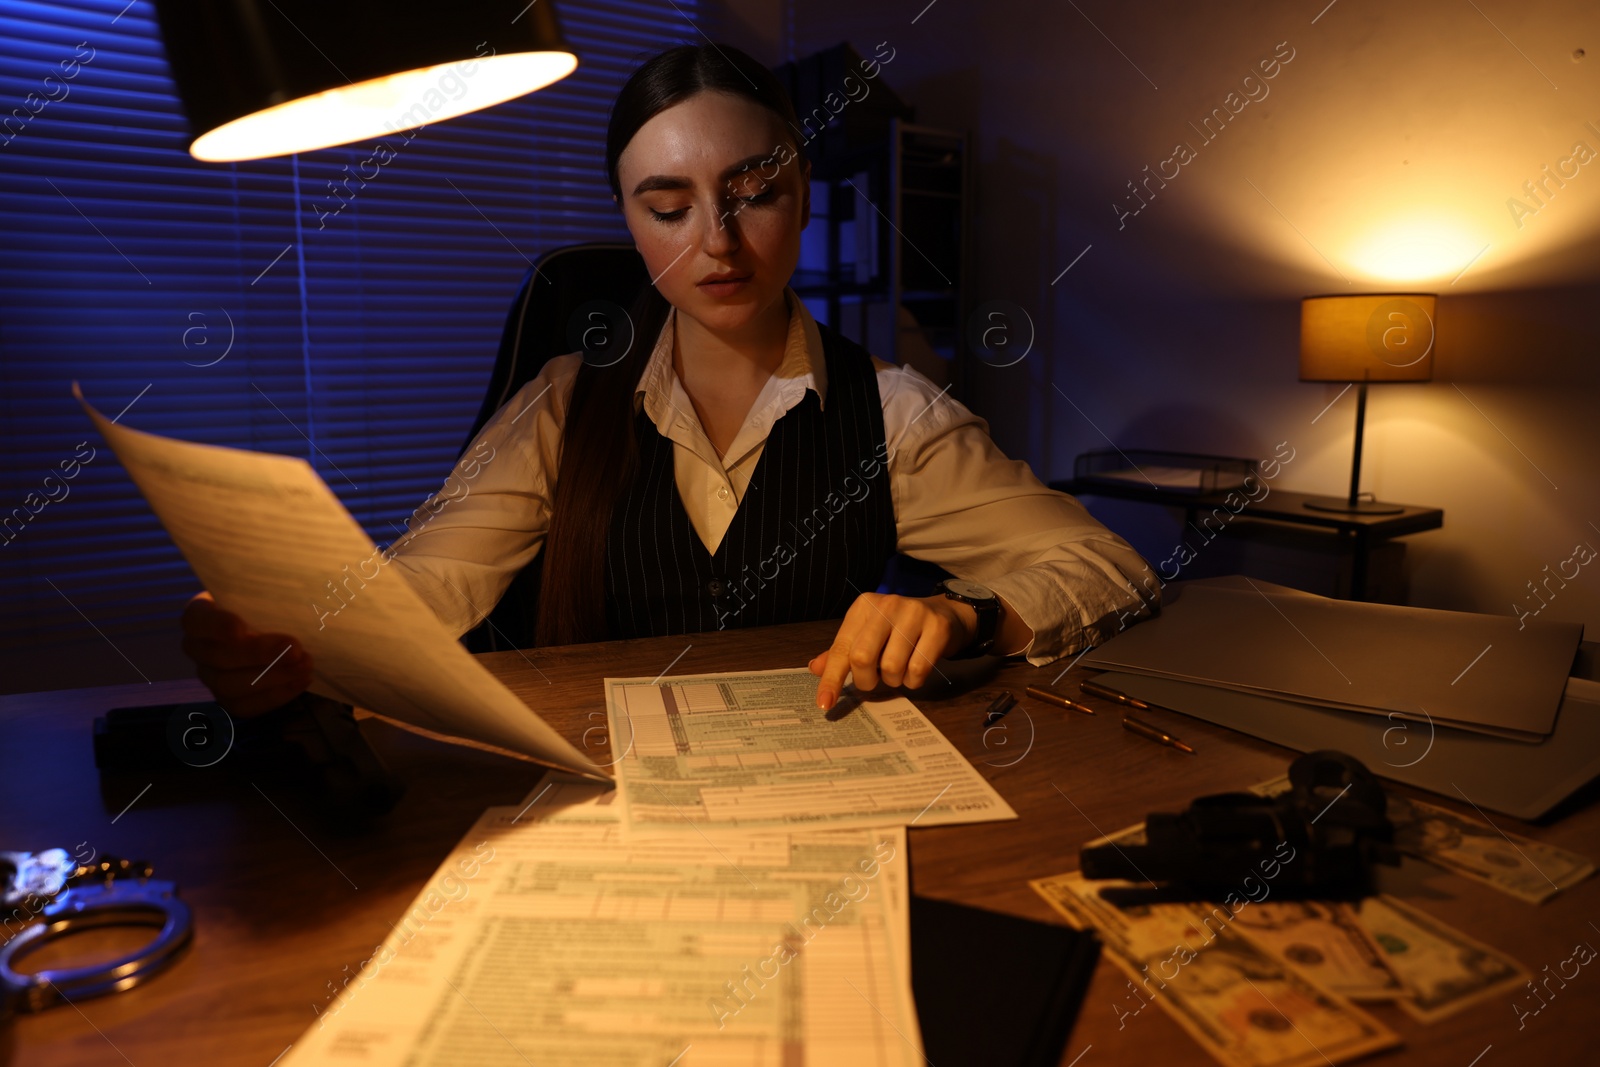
(994,989)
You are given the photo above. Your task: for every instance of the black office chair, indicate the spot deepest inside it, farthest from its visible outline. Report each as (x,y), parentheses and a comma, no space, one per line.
(541,323)
(544,322)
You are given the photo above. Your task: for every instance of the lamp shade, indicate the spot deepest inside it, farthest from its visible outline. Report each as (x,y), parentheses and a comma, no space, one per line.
(269,77)
(1376,337)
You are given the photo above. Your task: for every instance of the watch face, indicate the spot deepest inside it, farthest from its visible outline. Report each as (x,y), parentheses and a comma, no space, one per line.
(972,590)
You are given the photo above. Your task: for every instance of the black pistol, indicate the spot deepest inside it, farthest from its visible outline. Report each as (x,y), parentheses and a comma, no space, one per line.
(1319,840)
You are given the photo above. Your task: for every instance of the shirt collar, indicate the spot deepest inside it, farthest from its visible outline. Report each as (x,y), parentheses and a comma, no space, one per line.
(803,361)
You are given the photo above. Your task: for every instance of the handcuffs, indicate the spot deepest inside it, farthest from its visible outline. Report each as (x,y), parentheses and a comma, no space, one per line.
(66,897)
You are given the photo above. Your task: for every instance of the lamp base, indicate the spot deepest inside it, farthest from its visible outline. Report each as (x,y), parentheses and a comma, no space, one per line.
(1360,507)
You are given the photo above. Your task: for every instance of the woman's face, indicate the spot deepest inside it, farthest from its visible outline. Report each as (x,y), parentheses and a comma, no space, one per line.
(713,186)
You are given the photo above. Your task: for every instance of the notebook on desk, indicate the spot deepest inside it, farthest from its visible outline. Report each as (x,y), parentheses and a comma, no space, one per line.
(995,989)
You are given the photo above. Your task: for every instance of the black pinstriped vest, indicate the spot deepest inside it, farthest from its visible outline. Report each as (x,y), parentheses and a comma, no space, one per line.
(814,529)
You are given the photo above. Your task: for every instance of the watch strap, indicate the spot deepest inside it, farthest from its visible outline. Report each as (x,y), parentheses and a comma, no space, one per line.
(988,612)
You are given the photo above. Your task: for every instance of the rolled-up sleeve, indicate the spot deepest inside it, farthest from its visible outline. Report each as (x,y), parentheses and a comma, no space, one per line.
(464,545)
(961,503)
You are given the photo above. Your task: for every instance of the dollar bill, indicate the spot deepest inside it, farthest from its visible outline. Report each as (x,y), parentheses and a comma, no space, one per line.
(1243,1005)
(1516,866)
(1445,970)
(1325,942)
(1528,870)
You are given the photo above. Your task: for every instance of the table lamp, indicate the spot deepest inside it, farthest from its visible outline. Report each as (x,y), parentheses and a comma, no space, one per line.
(263,78)
(1361,338)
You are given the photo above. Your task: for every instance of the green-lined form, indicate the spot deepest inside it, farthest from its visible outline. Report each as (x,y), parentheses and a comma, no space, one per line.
(753,750)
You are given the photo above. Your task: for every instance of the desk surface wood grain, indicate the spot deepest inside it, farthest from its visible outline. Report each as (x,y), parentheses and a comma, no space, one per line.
(286,908)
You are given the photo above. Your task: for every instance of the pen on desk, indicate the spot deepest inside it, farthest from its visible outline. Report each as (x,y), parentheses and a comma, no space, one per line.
(998,708)
(1105,692)
(1144,729)
(1057,699)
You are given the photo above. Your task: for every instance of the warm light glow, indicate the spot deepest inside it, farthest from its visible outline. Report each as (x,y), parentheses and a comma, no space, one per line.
(1413,249)
(369,109)
(1379,337)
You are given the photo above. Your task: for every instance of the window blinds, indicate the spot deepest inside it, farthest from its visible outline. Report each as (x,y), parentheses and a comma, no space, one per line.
(343,305)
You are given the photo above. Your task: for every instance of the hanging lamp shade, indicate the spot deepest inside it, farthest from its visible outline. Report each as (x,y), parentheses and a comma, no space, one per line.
(265,78)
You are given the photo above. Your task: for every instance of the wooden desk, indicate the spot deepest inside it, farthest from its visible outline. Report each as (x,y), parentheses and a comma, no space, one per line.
(1361,532)
(282,906)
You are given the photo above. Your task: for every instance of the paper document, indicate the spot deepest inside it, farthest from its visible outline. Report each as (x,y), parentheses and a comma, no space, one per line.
(753,750)
(566,947)
(1491,673)
(271,542)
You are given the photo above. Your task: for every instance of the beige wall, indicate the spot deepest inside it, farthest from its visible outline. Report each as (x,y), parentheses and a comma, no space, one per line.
(1380,157)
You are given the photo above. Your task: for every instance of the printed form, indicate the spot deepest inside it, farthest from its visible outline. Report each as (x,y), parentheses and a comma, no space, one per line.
(268,538)
(752,750)
(568,946)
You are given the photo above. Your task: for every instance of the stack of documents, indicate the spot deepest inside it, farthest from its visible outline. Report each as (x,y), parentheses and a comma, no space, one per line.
(1474,706)
(549,937)
(742,897)
(1489,673)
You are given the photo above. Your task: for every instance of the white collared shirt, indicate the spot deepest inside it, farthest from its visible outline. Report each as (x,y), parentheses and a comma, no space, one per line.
(958,501)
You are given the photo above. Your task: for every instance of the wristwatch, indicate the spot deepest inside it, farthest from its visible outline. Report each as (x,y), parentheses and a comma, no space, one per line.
(985,603)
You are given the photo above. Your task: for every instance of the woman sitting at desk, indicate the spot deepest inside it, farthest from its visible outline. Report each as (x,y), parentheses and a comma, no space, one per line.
(751,467)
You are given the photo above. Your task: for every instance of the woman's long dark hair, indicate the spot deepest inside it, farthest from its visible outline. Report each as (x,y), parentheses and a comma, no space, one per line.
(599,453)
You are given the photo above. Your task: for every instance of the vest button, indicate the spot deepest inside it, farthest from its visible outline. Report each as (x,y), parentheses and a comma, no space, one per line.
(715,587)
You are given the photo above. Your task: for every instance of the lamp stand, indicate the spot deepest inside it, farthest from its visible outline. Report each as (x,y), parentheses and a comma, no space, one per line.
(1354,505)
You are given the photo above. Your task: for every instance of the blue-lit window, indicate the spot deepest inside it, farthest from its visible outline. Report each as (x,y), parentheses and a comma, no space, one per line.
(327,306)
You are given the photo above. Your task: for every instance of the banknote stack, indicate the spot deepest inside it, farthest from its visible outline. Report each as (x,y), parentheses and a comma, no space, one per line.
(1260,982)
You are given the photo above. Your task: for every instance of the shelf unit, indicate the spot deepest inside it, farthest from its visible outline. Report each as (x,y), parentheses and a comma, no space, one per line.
(888,266)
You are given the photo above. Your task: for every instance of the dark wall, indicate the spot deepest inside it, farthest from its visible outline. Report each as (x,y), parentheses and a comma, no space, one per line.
(1382,155)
